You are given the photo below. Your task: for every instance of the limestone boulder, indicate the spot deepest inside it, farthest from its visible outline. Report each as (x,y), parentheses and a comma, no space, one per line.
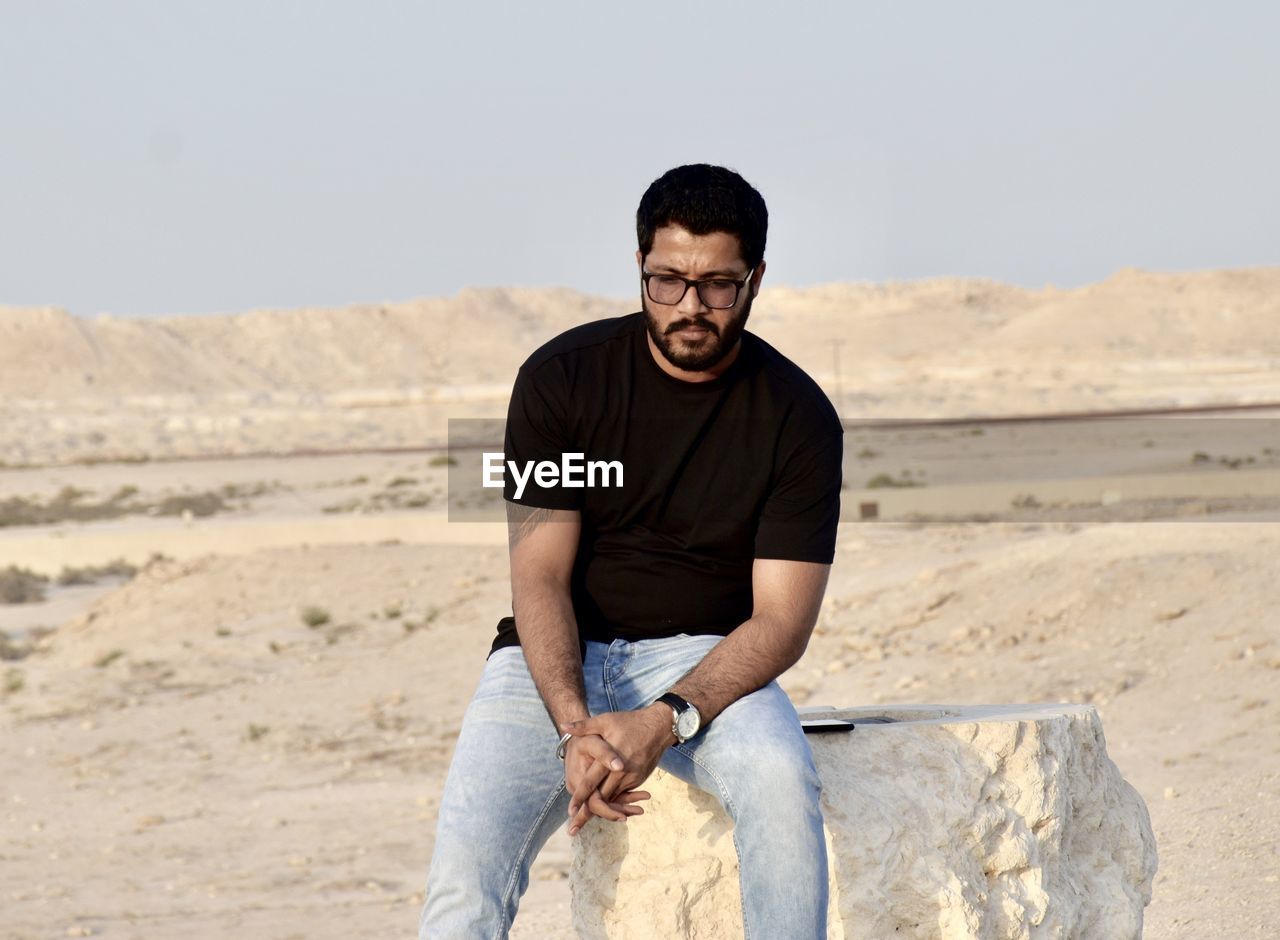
(948,822)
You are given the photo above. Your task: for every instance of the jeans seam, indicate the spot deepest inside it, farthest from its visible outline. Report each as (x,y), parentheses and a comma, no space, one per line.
(607,679)
(504,925)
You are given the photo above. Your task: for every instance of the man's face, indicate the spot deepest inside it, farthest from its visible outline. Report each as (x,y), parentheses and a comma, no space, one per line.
(689,335)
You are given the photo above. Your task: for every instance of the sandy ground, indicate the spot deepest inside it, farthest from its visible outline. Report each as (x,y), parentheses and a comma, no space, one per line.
(188,757)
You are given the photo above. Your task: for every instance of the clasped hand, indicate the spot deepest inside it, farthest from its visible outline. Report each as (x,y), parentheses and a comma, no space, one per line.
(609,756)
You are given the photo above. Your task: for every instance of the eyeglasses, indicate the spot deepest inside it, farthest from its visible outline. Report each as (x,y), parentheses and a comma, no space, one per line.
(718,293)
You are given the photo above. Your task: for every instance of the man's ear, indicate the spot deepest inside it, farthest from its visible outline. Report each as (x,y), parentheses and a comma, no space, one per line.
(639,260)
(755,278)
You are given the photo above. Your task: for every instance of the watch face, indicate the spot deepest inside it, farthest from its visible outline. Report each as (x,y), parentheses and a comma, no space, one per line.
(689,723)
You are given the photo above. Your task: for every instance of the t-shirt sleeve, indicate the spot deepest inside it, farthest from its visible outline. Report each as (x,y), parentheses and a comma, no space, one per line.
(538,430)
(802,511)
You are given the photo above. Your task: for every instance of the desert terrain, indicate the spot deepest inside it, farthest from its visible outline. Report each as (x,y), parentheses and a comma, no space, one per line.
(240,628)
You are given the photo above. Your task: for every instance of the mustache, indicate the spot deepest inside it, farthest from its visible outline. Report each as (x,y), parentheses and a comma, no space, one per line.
(683,324)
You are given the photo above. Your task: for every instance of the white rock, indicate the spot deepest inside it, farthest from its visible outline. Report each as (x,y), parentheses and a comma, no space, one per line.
(954,822)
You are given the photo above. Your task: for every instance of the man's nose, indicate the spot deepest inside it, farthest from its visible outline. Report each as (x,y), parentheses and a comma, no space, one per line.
(691,303)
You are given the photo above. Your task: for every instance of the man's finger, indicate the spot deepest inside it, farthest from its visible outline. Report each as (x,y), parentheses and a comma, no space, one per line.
(600,749)
(595,744)
(597,725)
(578,821)
(618,782)
(594,806)
(587,784)
(624,806)
(601,807)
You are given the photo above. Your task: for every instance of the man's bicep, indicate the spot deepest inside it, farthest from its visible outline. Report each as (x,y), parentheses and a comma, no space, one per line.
(789,590)
(543,542)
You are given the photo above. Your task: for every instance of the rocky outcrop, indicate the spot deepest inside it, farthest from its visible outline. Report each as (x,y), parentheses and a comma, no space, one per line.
(949,822)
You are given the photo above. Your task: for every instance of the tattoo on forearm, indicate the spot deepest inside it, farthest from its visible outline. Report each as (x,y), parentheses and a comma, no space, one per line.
(521,520)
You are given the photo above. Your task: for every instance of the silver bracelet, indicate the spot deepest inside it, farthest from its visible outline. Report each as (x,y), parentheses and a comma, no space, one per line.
(564,740)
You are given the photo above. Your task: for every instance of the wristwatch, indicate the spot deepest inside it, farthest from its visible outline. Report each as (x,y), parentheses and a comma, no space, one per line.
(686,720)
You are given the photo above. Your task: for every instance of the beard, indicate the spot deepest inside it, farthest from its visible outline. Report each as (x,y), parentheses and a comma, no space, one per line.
(706,352)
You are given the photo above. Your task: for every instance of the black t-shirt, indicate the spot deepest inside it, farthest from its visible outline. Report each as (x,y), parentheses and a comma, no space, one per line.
(714,475)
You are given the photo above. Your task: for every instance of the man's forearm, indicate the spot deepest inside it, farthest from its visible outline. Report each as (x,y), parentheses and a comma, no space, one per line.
(788,596)
(548,634)
(543,543)
(749,658)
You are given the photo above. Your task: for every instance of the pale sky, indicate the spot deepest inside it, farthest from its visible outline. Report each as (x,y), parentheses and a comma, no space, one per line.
(182,157)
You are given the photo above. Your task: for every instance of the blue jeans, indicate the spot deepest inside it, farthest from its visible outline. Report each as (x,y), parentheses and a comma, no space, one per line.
(505,794)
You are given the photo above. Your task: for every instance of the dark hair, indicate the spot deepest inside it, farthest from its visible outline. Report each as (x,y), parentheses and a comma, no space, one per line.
(704,199)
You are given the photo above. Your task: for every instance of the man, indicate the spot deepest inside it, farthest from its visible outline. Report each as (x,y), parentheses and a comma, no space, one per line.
(652,618)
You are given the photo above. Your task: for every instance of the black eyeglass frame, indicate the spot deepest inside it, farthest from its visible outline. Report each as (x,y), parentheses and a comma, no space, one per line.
(697,286)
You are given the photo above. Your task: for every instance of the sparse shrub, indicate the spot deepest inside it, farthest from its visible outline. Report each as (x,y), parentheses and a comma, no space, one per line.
(13,681)
(91,574)
(336,632)
(106,659)
(442,460)
(883,481)
(198,504)
(21,585)
(249,490)
(255,731)
(70,494)
(1235,463)
(1200,457)
(18,510)
(222,631)
(867,453)
(427,619)
(71,576)
(1026,501)
(91,460)
(401,481)
(392,611)
(315,617)
(69,505)
(10,650)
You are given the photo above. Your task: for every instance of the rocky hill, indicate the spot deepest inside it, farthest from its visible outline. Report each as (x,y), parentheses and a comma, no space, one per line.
(392,374)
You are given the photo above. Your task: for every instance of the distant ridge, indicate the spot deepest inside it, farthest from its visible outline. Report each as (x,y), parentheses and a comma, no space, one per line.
(475,336)
(479,336)
(376,376)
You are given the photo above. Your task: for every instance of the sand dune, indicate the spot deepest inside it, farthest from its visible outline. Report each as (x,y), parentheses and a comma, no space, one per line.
(479,336)
(393,374)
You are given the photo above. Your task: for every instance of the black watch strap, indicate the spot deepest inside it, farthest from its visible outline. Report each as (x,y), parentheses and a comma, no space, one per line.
(674,701)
